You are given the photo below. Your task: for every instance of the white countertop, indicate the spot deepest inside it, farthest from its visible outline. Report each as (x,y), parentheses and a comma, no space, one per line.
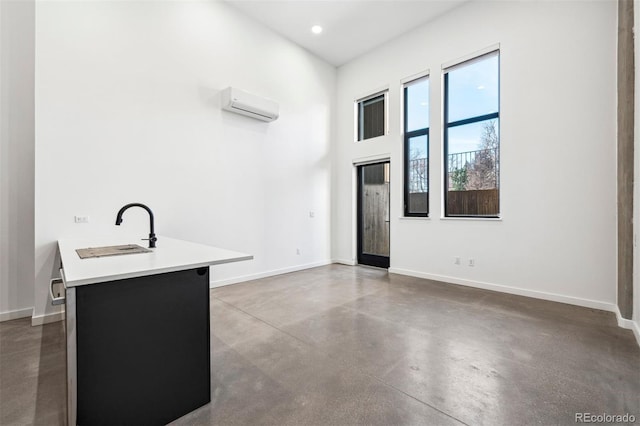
(170,255)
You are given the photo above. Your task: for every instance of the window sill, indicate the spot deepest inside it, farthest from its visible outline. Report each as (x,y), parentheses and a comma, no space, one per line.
(473,219)
(373,138)
(414,218)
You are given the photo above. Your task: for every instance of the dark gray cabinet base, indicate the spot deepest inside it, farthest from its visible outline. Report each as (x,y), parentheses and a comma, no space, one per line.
(143,348)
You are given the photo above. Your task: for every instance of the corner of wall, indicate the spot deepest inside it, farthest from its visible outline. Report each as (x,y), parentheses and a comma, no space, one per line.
(17,157)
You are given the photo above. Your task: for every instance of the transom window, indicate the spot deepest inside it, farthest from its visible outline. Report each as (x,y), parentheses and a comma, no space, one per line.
(371,116)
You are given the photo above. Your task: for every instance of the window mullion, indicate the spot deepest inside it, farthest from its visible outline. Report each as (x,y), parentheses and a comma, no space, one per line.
(474,119)
(418,132)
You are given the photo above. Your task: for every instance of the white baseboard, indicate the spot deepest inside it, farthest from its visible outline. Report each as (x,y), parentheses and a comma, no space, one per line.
(553,297)
(250,277)
(47,318)
(588,303)
(345,262)
(628,324)
(16,314)
(635,327)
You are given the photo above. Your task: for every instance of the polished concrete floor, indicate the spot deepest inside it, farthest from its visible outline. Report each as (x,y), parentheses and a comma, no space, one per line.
(342,345)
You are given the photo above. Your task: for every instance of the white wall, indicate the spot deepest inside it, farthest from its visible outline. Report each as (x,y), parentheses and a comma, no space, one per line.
(557,235)
(17,20)
(127,109)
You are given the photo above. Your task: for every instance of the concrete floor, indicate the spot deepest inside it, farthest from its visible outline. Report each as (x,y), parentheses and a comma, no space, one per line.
(349,345)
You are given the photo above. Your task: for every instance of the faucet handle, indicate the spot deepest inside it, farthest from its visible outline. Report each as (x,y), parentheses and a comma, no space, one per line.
(152,240)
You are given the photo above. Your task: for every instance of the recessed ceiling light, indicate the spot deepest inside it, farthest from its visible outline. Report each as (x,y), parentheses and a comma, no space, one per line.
(316,29)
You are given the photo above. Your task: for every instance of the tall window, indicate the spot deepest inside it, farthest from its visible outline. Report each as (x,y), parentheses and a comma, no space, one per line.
(416,147)
(472,137)
(371,116)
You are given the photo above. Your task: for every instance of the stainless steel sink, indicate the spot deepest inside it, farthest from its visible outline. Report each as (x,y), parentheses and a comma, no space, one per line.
(89,252)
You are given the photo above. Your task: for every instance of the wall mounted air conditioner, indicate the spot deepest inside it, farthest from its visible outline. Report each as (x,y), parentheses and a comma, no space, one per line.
(235,100)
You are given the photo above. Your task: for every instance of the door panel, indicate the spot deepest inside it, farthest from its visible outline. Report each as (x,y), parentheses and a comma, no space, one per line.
(373,214)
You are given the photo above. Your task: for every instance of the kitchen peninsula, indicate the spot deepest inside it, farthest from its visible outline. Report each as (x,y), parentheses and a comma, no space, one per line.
(138,346)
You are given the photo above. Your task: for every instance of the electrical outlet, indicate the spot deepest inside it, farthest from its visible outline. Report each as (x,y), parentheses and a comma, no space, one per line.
(472,262)
(297,251)
(456,260)
(81,219)
(312,214)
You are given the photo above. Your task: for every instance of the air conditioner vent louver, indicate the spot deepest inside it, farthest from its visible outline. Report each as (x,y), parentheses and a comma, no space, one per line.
(240,102)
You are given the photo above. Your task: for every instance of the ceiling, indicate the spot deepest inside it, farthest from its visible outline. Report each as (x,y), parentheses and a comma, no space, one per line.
(351,27)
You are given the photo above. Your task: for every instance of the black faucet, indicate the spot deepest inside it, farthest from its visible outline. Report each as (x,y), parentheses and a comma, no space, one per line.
(152,236)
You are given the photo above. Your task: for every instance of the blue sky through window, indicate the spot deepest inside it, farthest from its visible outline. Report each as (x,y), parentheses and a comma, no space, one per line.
(473,91)
(418,104)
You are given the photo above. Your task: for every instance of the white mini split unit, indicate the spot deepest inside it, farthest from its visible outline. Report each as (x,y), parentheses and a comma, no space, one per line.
(235,100)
